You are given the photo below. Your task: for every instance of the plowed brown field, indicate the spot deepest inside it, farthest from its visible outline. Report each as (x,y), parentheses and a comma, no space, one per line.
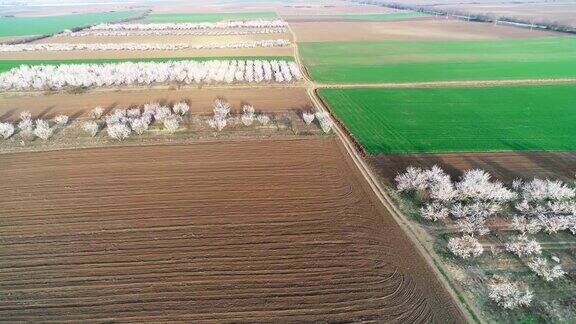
(505,166)
(254,231)
(188,53)
(412,29)
(200,100)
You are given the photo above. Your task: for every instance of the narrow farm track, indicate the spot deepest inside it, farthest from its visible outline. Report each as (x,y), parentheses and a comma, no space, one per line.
(423,248)
(254,231)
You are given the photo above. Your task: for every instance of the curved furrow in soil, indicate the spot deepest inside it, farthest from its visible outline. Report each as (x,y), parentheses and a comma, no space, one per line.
(261,231)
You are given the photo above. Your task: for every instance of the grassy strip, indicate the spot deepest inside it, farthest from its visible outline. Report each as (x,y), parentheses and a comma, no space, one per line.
(384,16)
(508,118)
(6,65)
(24,26)
(414,61)
(206,17)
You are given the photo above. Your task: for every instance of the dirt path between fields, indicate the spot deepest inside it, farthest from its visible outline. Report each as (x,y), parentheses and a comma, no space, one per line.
(424,248)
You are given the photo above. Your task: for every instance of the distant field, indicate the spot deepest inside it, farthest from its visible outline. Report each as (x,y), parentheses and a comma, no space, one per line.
(22,26)
(384,16)
(511,118)
(412,61)
(207,17)
(6,65)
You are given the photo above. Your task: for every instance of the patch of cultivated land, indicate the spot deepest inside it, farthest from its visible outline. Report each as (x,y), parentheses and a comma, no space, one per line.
(413,61)
(172,39)
(507,118)
(353,17)
(206,17)
(561,13)
(22,26)
(383,17)
(239,231)
(413,29)
(505,166)
(6,65)
(200,100)
(124,54)
(177,39)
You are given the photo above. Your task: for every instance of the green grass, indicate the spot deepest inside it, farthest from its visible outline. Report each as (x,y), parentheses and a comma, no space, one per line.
(384,16)
(206,17)
(508,118)
(24,26)
(414,61)
(6,65)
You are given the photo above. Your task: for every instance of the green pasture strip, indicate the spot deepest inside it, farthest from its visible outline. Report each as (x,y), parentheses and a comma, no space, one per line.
(207,17)
(384,16)
(458,119)
(415,61)
(23,26)
(6,65)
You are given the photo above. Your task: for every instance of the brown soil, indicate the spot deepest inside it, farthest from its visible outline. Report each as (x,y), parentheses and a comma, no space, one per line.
(294,7)
(563,13)
(184,39)
(191,53)
(254,231)
(200,100)
(503,166)
(171,39)
(413,29)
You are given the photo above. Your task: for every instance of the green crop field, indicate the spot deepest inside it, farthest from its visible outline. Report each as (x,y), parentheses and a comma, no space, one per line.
(6,65)
(415,61)
(24,26)
(510,118)
(206,17)
(384,16)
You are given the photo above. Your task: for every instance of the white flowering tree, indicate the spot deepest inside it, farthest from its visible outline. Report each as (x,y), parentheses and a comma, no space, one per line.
(91,127)
(97,112)
(546,271)
(465,247)
(171,123)
(181,108)
(63,76)
(324,121)
(263,119)
(61,120)
(118,131)
(509,295)
(308,117)
(523,246)
(43,129)
(139,125)
(247,115)
(6,130)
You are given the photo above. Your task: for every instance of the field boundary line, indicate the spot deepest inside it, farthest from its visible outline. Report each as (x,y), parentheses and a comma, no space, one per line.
(463,304)
(439,84)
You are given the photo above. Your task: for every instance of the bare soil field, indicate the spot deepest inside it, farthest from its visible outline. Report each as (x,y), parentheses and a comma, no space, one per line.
(413,29)
(191,53)
(200,100)
(231,231)
(503,166)
(563,13)
(293,7)
(331,8)
(177,39)
(171,39)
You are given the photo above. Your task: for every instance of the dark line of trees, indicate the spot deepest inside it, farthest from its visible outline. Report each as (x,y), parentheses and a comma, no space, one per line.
(478,17)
